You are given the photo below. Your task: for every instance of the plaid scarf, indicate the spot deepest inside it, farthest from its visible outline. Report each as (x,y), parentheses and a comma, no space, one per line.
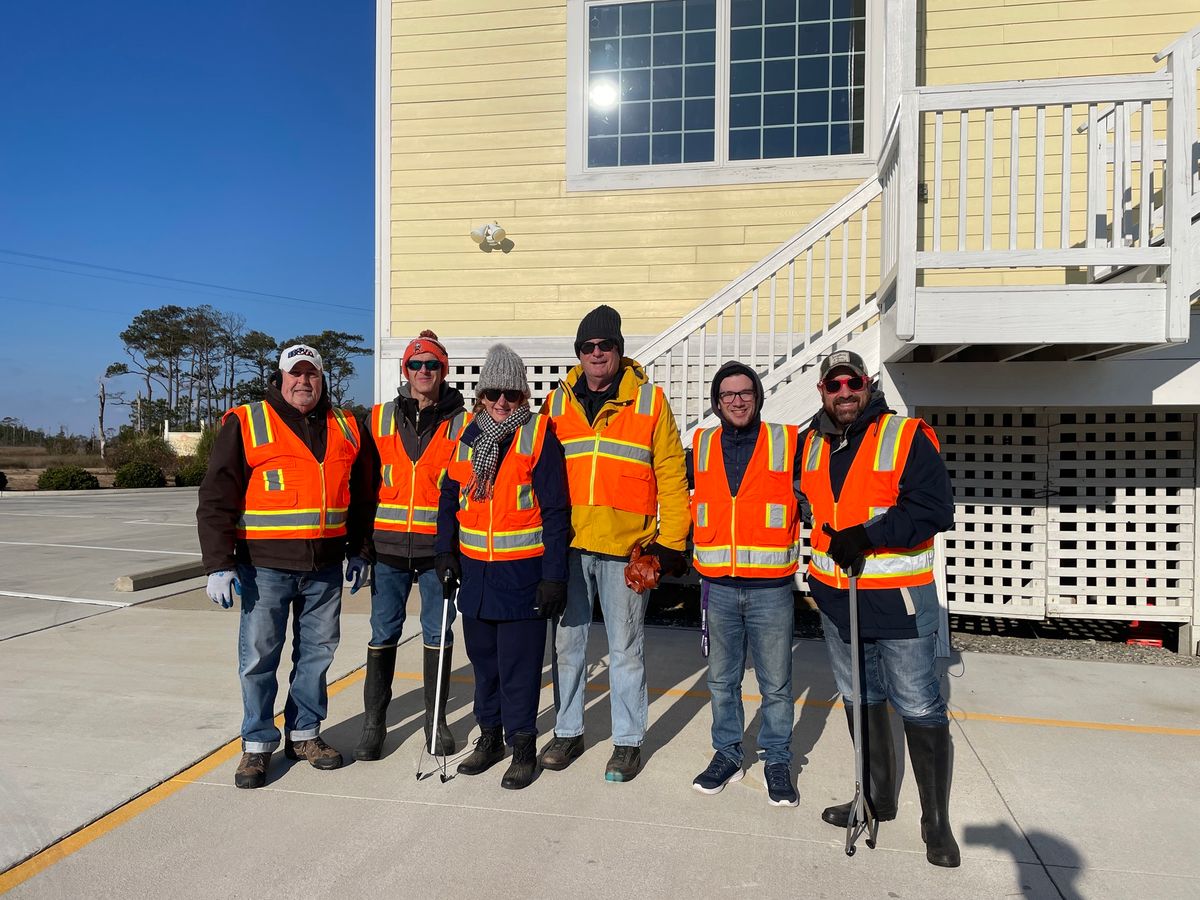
(486,454)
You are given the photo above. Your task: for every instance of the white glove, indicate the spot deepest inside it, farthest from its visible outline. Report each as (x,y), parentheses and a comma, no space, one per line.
(221,586)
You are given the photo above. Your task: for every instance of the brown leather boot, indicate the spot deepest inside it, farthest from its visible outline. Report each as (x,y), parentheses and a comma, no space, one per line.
(318,753)
(252,770)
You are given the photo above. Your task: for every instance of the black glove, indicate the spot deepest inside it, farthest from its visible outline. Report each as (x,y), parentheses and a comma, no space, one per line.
(672,562)
(551,599)
(448,564)
(848,546)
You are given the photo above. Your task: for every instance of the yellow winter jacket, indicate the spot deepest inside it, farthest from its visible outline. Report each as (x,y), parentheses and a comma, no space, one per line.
(603,529)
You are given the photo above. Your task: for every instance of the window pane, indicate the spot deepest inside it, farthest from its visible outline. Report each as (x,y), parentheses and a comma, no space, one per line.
(779,40)
(780,11)
(745,43)
(745,78)
(642,98)
(777,143)
(779,109)
(812,140)
(744,144)
(745,12)
(779,75)
(744,111)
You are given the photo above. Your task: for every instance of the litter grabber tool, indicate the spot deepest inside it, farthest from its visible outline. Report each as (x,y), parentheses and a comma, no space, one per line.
(862,817)
(449,589)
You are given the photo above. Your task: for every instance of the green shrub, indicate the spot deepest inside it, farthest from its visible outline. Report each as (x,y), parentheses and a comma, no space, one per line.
(133,447)
(67,478)
(140,475)
(204,447)
(191,473)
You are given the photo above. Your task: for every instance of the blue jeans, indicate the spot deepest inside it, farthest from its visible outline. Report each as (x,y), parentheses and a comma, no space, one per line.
(761,620)
(903,671)
(315,600)
(389,596)
(590,576)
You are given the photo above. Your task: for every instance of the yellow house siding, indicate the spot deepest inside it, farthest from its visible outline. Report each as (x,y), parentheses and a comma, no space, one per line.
(479,134)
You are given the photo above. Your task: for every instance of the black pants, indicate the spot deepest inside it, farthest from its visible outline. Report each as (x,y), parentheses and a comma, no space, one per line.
(507,658)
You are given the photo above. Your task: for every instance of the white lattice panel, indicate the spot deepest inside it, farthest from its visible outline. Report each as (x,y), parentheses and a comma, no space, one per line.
(995,556)
(543,376)
(1121,515)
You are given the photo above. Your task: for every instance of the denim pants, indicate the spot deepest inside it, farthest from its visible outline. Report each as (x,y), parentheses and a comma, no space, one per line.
(389,596)
(590,576)
(507,659)
(903,671)
(315,601)
(761,620)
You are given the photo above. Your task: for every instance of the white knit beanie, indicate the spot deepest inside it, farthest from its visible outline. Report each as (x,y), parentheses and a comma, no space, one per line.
(502,369)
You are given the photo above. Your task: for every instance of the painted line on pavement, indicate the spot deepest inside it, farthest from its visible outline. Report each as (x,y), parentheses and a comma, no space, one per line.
(68,845)
(92,547)
(86,600)
(48,515)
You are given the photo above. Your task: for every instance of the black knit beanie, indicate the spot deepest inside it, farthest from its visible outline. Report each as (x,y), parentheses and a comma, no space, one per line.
(601,323)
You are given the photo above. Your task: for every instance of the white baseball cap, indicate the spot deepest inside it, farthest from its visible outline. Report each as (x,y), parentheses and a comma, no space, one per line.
(298,353)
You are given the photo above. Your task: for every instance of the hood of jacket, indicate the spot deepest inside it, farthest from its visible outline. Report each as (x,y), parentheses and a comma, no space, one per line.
(449,402)
(733,367)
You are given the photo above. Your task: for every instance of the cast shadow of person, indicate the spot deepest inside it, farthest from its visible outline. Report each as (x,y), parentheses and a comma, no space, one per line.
(1067,863)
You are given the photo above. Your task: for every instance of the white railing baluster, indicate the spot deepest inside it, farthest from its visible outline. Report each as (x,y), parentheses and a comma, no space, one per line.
(1039,197)
(701,412)
(1117,233)
(771,339)
(862,262)
(791,310)
(754,330)
(808,328)
(845,265)
(683,379)
(988,175)
(962,180)
(737,329)
(1146,194)
(1065,208)
(825,281)
(1014,171)
(721,357)
(1095,171)
(937,181)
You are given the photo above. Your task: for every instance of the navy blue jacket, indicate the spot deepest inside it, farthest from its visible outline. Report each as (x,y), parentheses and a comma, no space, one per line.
(924,507)
(504,591)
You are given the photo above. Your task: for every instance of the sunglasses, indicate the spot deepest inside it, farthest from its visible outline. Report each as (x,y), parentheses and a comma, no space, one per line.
(429,365)
(587,348)
(493,394)
(854,382)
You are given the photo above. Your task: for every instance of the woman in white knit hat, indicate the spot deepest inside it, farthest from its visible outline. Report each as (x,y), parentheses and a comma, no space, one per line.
(503,522)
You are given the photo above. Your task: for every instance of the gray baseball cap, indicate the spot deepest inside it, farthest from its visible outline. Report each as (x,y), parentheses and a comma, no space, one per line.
(844,359)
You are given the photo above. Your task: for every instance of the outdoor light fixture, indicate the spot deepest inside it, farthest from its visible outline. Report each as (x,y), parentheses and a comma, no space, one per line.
(488,237)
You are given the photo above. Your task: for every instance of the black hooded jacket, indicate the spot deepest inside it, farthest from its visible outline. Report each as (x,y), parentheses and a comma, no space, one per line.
(223,496)
(415,426)
(737,447)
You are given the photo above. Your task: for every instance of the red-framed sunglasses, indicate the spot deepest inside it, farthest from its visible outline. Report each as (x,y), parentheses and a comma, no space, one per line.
(833,385)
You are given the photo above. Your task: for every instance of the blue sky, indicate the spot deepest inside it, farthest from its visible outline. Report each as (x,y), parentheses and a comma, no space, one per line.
(222,142)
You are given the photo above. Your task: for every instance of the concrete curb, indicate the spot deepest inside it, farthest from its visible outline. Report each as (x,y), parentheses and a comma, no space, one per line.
(157,577)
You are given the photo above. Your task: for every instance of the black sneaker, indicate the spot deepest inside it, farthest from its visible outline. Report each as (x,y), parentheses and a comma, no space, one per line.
(560,753)
(778,779)
(720,772)
(624,764)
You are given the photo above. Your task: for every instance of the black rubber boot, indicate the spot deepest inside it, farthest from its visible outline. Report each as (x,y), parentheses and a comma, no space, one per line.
(879,766)
(930,752)
(524,762)
(445,743)
(377,694)
(489,750)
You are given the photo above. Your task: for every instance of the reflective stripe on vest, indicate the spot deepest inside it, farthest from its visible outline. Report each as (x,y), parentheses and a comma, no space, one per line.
(409,491)
(261,431)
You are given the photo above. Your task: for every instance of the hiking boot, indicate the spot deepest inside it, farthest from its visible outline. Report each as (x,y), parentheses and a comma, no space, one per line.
(377,694)
(524,762)
(780,791)
(252,770)
(489,750)
(720,772)
(879,766)
(561,752)
(318,753)
(624,764)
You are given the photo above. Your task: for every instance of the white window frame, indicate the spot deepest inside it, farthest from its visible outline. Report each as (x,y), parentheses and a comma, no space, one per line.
(853,166)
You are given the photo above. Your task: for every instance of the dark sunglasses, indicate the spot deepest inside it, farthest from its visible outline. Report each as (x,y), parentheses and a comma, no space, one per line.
(854,382)
(587,348)
(429,365)
(493,394)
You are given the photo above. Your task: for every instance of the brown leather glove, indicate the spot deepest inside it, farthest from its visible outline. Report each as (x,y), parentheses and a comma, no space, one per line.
(642,571)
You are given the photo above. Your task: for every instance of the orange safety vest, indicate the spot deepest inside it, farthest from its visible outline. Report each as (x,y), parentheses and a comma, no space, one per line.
(409,489)
(757,533)
(508,525)
(614,467)
(871,488)
(290,495)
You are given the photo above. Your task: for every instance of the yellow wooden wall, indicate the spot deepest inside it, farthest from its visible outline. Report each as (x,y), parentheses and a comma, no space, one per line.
(478,134)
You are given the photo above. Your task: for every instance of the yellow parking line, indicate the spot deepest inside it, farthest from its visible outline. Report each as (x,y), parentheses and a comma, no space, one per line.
(135,807)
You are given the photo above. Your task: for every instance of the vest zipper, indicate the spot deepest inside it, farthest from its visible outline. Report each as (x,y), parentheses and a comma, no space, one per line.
(733,536)
(412,496)
(324,500)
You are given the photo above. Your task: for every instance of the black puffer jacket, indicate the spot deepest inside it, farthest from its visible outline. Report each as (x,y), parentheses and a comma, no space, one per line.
(223,497)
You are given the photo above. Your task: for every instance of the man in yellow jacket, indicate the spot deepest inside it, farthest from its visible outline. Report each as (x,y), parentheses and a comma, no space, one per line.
(628,488)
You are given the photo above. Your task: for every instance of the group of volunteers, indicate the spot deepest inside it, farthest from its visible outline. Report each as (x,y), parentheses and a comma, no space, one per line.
(530,518)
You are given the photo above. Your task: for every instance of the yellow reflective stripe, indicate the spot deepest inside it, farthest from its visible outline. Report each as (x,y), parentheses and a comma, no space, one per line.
(704,445)
(425,515)
(701,515)
(456,426)
(558,403)
(391,512)
(775,515)
(476,540)
(812,456)
(767,557)
(889,443)
(279,520)
(260,425)
(711,556)
(386,472)
(524,496)
(336,517)
(525,436)
(347,431)
(624,450)
(777,447)
(386,424)
(273,479)
(645,399)
(902,564)
(579,446)
(517,540)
